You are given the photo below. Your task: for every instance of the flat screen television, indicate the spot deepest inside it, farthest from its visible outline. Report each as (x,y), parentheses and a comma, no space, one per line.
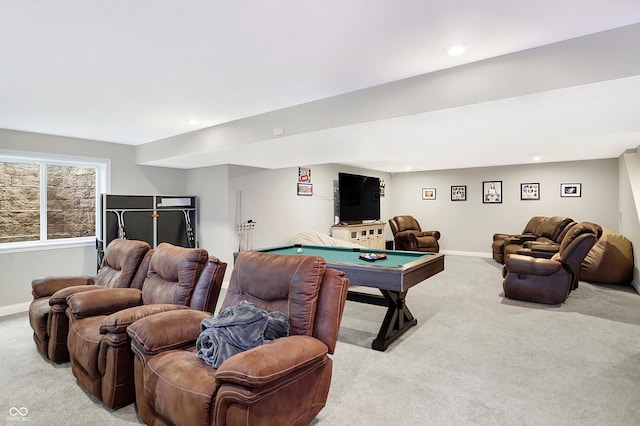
(359,198)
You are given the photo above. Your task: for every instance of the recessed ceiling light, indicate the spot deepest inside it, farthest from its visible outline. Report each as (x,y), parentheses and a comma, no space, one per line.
(456,50)
(194,122)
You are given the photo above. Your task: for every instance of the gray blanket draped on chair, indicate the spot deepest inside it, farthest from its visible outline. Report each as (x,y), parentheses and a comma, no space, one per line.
(236,329)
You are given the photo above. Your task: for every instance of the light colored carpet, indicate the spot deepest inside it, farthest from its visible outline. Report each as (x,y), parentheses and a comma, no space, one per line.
(474,358)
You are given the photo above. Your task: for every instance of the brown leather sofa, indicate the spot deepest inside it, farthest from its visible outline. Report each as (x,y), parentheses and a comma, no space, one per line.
(527,234)
(99,347)
(550,230)
(549,281)
(124,265)
(283,382)
(409,236)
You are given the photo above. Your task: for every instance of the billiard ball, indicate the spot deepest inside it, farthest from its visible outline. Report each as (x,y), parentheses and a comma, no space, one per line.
(299,250)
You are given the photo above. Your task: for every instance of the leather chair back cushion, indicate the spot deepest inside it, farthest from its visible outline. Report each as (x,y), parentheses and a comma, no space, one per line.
(405,223)
(141,273)
(577,243)
(564,232)
(207,289)
(576,231)
(533,225)
(286,283)
(173,273)
(553,227)
(120,262)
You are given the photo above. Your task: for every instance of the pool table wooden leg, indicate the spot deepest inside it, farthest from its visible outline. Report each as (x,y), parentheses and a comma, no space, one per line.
(397,320)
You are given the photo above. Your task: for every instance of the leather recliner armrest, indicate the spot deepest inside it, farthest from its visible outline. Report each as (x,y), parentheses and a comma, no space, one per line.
(539,246)
(272,361)
(521,239)
(500,236)
(118,322)
(535,253)
(166,331)
(46,286)
(518,264)
(60,296)
(103,302)
(434,234)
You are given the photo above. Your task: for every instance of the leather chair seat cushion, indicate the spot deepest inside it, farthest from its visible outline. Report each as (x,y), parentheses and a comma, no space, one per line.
(38,316)
(180,387)
(84,343)
(610,261)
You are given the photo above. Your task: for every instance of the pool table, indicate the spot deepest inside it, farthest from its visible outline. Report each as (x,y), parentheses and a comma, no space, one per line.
(392,276)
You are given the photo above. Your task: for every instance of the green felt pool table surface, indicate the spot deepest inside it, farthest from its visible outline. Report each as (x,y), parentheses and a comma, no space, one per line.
(398,272)
(395,259)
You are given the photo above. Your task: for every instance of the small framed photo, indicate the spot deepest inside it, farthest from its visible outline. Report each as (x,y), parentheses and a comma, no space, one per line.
(305,189)
(459,193)
(529,191)
(428,193)
(492,192)
(571,190)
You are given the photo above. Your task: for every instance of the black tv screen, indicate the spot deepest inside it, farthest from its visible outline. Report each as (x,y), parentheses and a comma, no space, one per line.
(359,197)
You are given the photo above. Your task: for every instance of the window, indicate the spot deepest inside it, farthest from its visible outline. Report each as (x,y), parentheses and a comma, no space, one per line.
(49,198)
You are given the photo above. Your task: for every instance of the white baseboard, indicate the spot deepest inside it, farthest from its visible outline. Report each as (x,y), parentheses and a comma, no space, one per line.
(14,309)
(467,253)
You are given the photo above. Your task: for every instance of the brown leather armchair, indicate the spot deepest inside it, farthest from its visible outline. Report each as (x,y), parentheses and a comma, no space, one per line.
(409,236)
(99,347)
(123,265)
(550,280)
(283,382)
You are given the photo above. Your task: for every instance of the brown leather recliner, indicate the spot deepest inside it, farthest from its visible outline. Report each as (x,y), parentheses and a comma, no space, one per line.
(529,233)
(283,382)
(409,236)
(99,347)
(550,280)
(124,265)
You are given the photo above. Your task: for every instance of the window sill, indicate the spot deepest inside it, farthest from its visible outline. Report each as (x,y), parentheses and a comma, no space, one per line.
(7,248)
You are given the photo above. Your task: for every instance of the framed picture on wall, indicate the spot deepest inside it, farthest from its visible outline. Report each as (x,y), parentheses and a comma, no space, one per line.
(305,189)
(529,191)
(492,192)
(459,193)
(571,190)
(428,193)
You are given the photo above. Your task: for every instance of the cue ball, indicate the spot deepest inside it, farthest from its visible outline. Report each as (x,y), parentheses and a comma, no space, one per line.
(299,250)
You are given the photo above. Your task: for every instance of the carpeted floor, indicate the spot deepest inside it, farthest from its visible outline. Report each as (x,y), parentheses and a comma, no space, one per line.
(474,358)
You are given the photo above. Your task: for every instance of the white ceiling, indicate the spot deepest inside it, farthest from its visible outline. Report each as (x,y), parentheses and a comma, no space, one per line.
(138,72)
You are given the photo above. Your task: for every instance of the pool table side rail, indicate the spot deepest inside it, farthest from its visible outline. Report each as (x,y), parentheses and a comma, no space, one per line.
(395,278)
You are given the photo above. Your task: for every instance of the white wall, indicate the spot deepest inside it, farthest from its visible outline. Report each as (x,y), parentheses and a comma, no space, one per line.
(629,179)
(19,268)
(215,229)
(269,198)
(468,226)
